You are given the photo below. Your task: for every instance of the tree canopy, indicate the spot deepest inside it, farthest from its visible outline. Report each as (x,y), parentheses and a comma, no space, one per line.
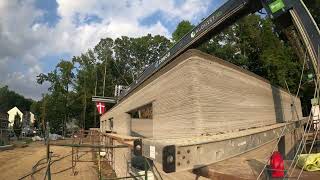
(183,28)
(10,99)
(314,7)
(96,72)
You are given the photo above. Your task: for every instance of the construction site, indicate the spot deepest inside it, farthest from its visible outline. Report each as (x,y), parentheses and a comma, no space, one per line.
(192,115)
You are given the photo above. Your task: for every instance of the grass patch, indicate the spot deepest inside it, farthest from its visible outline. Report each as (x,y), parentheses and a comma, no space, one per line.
(2,142)
(28,141)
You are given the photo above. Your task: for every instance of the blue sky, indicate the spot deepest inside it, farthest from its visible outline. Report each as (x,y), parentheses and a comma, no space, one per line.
(50,8)
(36,34)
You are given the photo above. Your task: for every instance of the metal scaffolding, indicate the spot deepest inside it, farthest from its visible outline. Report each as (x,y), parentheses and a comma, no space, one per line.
(101,145)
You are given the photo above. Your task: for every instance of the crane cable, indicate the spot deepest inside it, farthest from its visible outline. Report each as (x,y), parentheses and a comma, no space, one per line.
(302,142)
(274,148)
(308,126)
(304,138)
(314,138)
(302,72)
(304,132)
(316,134)
(297,93)
(293,101)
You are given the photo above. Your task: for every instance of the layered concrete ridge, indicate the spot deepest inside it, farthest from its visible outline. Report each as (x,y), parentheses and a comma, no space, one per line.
(200,94)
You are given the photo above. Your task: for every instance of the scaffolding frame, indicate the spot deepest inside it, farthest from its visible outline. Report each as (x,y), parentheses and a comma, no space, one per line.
(97,143)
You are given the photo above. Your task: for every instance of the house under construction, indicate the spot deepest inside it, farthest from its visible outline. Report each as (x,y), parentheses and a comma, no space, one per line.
(196,97)
(189,111)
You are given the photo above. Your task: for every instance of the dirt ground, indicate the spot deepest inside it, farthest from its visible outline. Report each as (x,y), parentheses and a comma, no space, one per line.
(16,163)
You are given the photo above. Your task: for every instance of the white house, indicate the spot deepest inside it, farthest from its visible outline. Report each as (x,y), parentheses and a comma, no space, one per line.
(12,112)
(28,117)
(32,118)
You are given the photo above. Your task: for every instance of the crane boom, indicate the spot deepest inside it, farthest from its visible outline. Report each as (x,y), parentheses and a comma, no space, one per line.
(223,17)
(286,13)
(283,12)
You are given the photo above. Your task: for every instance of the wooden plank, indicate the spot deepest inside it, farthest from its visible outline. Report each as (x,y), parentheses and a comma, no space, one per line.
(111,100)
(120,137)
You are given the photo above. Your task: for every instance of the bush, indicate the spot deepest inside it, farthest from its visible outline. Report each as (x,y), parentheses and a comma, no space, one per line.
(28,141)
(17,125)
(2,142)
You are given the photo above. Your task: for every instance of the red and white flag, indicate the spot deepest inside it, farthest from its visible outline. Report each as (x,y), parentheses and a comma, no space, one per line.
(100,107)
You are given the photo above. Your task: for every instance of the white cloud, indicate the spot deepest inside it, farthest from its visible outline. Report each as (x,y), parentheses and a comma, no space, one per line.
(24,39)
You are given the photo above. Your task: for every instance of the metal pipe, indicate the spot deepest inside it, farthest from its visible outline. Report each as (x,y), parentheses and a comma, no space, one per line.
(125,177)
(48,173)
(91,146)
(48,152)
(145,169)
(99,164)
(53,161)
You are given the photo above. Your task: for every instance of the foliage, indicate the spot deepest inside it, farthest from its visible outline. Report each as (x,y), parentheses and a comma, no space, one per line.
(17,125)
(28,141)
(252,44)
(10,99)
(61,80)
(2,142)
(110,62)
(35,108)
(183,28)
(314,7)
(135,54)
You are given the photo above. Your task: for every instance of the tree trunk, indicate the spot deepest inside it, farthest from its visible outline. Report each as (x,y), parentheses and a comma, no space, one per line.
(84,110)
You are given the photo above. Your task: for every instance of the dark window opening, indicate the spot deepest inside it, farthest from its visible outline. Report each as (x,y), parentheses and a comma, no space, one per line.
(143,112)
(110,123)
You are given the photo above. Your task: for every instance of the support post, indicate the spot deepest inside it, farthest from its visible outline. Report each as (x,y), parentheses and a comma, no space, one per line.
(145,169)
(99,163)
(48,151)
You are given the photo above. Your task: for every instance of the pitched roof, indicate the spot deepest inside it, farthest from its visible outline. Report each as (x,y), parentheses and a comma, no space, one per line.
(15,109)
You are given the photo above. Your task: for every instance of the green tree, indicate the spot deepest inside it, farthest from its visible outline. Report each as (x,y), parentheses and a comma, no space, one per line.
(106,68)
(280,64)
(252,44)
(314,8)
(65,69)
(85,86)
(183,28)
(10,99)
(133,55)
(96,72)
(17,125)
(61,80)
(36,110)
